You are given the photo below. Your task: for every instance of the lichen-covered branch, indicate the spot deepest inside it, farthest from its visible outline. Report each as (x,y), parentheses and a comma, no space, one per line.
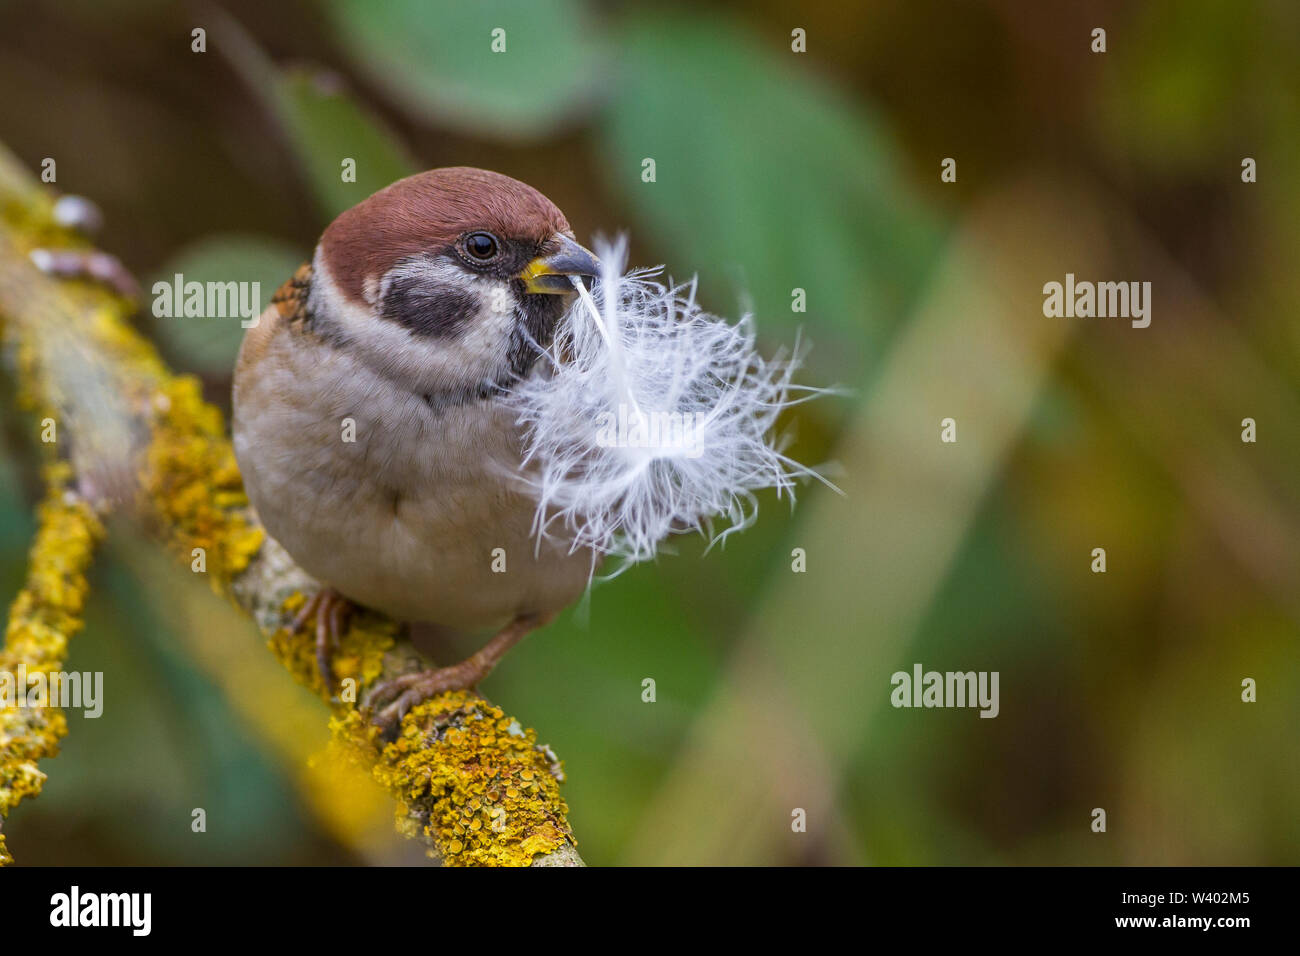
(44,615)
(470,782)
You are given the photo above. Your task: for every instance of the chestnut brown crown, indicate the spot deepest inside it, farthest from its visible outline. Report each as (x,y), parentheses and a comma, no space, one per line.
(449,283)
(429,211)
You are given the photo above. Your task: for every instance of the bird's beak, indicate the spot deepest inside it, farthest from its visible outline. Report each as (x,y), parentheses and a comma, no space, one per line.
(550,273)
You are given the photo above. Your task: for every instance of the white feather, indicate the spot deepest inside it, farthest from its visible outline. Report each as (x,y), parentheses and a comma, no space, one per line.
(648,416)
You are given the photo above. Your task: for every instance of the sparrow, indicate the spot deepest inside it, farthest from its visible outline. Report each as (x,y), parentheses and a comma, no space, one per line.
(369,425)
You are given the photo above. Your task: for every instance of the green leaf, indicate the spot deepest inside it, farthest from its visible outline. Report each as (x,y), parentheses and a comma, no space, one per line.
(766,181)
(327,128)
(210,344)
(437,59)
(323,123)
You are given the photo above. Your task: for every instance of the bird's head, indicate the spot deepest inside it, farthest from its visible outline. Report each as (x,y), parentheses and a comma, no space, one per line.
(447,281)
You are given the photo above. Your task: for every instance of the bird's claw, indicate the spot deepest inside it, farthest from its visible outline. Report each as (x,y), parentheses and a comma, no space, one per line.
(391,700)
(330,611)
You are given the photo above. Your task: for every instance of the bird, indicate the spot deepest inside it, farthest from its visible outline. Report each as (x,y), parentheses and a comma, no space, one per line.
(370,426)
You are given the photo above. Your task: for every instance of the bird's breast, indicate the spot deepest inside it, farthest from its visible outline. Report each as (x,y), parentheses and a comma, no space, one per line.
(403,504)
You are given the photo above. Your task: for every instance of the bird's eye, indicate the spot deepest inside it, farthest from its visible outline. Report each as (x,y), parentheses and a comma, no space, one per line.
(481,245)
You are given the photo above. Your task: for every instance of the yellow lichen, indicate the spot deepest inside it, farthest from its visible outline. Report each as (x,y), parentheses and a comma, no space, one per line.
(45,614)
(191,482)
(485,785)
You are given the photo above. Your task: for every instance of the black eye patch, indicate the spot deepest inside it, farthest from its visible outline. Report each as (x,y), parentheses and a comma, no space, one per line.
(436,310)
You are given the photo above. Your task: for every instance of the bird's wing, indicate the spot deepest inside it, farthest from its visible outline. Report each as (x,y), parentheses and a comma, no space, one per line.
(288,309)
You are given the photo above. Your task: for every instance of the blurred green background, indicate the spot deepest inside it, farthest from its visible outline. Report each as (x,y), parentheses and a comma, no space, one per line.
(774,170)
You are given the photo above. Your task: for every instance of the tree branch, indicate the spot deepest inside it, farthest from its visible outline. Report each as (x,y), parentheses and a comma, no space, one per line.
(470,782)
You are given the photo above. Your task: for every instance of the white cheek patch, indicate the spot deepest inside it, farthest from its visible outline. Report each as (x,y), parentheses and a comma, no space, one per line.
(479,352)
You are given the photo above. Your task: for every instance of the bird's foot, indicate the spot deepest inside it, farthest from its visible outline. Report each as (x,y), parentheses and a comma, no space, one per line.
(390,700)
(331,611)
